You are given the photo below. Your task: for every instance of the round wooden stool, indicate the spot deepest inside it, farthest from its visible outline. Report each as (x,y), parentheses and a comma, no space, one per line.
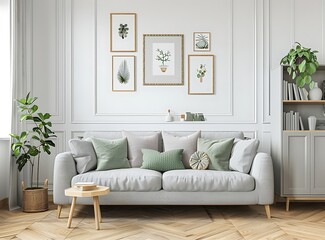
(73,192)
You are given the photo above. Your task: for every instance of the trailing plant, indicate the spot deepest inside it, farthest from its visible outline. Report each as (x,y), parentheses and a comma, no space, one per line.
(28,145)
(302,63)
(163,57)
(123,74)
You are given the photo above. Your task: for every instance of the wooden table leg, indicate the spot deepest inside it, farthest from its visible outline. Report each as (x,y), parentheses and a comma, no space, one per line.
(73,204)
(99,213)
(59,210)
(95,201)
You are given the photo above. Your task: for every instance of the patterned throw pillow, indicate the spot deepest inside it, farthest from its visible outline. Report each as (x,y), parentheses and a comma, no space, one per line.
(199,160)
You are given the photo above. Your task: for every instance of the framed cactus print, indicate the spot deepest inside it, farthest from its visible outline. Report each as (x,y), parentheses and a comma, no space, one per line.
(200,74)
(163,62)
(123,32)
(201,41)
(123,73)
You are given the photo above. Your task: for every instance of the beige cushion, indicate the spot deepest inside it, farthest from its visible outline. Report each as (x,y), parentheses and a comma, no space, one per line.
(207,181)
(136,143)
(187,143)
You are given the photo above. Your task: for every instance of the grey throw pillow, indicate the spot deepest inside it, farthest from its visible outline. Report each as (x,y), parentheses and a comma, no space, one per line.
(188,143)
(137,143)
(243,153)
(84,154)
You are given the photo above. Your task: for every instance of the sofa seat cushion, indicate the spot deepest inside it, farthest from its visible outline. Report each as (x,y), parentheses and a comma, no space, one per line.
(127,179)
(207,181)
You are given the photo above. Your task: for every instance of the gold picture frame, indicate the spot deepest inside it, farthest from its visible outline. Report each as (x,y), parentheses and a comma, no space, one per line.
(123,62)
(123,42)
(204,41)
(203,65)
(163,75)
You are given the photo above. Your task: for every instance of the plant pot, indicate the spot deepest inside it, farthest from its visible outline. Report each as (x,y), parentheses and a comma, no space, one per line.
(201,79)
(163,68)
(35,199)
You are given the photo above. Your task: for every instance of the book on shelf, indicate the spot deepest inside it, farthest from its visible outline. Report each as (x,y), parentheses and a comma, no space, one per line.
(296,92)
(301,124)
(292,121)
(290,91)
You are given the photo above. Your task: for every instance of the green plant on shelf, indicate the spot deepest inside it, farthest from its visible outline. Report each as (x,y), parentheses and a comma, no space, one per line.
(302,63)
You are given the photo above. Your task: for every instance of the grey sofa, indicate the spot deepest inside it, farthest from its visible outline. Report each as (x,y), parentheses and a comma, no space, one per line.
(136,186)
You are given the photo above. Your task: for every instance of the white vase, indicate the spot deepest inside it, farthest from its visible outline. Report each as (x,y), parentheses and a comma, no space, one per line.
(315,93)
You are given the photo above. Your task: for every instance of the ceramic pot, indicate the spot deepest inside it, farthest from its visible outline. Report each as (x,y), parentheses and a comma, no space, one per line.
(315,93)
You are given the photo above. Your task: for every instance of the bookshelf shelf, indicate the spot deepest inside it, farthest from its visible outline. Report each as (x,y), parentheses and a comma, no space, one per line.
(305,131)
(322,102)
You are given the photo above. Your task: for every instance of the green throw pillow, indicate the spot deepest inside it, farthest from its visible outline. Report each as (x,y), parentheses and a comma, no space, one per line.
(218,151)
(162,162)
(111,154)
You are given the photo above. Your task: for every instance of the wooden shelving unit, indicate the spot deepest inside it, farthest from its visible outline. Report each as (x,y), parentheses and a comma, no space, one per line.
(321,102)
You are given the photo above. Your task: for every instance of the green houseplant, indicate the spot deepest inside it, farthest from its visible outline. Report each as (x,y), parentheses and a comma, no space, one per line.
(27,148)
(302,63)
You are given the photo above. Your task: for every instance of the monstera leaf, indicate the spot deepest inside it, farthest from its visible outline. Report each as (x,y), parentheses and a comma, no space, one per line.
(123,74)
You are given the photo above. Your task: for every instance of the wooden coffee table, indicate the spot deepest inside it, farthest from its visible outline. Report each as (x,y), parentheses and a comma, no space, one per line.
(73,192)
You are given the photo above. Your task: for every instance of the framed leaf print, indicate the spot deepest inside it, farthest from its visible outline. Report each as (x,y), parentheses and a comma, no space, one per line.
(163,59)
(123,32)
(202,41)
(123,73)
(201,74)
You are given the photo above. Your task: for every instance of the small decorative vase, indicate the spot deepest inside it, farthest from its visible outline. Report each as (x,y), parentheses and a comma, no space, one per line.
(315,93)
(201,79)
(169,117)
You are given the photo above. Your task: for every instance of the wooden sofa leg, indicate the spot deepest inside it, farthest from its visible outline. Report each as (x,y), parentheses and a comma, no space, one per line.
(59,211)
(267,211)
(287,204)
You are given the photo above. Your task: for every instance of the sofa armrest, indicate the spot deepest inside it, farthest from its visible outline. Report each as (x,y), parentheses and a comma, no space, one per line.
(262,171)
(64,171)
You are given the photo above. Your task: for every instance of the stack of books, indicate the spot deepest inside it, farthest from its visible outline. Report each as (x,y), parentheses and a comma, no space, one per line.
(292,92)
(85,186)
(292,121)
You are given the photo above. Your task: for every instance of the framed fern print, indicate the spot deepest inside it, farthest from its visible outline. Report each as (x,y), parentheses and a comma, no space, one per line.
(202,42)
(123,32)
(123,73)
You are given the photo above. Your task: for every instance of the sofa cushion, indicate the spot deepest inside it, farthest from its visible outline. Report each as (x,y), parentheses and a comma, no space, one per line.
(187,143)
(136,143)
(207,181)
(242,155)
(127,179)
(218,152)
(111,154)
(164,161)
(84,154)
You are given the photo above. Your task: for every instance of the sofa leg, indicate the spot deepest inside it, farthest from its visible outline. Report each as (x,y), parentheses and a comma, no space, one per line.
(267,211)
(59,210)
(287,204)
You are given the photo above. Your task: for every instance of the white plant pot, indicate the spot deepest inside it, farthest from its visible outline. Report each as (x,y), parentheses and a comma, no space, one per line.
(315,93)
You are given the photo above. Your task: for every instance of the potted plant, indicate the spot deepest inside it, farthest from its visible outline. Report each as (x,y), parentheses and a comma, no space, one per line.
(163,57)
(302,63)
(27,148)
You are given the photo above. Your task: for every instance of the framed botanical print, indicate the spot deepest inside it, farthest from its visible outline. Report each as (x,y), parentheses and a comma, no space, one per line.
(163,61)
(201,74)
(123,32)
(201,41)
(123,73)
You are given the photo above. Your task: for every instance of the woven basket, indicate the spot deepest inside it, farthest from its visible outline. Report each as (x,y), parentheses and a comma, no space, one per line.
(36,199)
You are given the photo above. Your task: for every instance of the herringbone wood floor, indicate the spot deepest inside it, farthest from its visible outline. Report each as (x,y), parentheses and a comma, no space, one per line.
(304,221)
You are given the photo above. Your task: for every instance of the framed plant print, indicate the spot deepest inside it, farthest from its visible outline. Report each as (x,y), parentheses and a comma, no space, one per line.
(123,73)
(201,41)
(200,74)
(163,59)
(123,32)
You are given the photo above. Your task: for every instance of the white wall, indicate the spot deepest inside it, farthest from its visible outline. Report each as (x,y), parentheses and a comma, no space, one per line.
(67,62)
